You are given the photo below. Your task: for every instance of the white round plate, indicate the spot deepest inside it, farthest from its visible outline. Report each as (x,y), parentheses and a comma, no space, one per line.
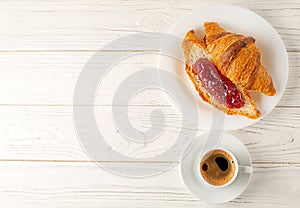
(238,20)
(191,177)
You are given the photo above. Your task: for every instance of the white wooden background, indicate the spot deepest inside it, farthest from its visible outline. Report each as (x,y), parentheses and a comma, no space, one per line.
(44,46)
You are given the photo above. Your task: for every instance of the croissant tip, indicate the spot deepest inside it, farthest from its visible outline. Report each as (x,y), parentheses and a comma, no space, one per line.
(208,22)
(270,91)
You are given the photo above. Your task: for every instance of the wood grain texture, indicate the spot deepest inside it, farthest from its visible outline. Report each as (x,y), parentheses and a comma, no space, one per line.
(87,185)
(44,45)
(48,133)
(89,25)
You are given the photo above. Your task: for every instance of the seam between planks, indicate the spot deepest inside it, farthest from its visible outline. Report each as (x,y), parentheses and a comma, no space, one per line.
(92,51)
(107,105)
(150,162)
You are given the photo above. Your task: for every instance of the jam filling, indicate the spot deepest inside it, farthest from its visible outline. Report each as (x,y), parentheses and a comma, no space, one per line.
(217,85)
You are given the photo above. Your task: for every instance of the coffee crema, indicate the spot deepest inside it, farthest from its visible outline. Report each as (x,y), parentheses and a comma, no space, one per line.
(217,167)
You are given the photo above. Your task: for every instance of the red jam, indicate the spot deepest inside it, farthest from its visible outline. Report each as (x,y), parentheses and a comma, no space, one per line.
(217,85)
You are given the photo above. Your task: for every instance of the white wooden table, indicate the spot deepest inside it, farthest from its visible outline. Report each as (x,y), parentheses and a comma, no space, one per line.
(43,48)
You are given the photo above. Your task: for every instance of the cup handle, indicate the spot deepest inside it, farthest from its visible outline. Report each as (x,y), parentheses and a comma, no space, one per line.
(245,169)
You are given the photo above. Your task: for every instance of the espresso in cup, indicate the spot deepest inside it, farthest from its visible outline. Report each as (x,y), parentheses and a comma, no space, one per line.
(218,167)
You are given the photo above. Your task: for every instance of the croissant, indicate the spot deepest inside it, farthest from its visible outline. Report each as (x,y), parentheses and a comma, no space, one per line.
(238,58)
(212,86)
(223,67)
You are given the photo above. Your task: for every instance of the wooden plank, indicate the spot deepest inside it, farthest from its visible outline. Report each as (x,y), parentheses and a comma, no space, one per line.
(33,185)
(77,25)
(50,78)
(48,133)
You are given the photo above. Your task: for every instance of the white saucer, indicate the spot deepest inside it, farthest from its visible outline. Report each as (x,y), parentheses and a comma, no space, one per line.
(238,20)
(191,178)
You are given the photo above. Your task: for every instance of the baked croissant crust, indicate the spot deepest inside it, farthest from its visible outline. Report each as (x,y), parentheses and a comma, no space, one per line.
(223,67)
(238,58)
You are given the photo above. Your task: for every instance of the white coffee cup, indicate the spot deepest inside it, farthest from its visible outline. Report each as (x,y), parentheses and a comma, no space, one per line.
(242,169)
